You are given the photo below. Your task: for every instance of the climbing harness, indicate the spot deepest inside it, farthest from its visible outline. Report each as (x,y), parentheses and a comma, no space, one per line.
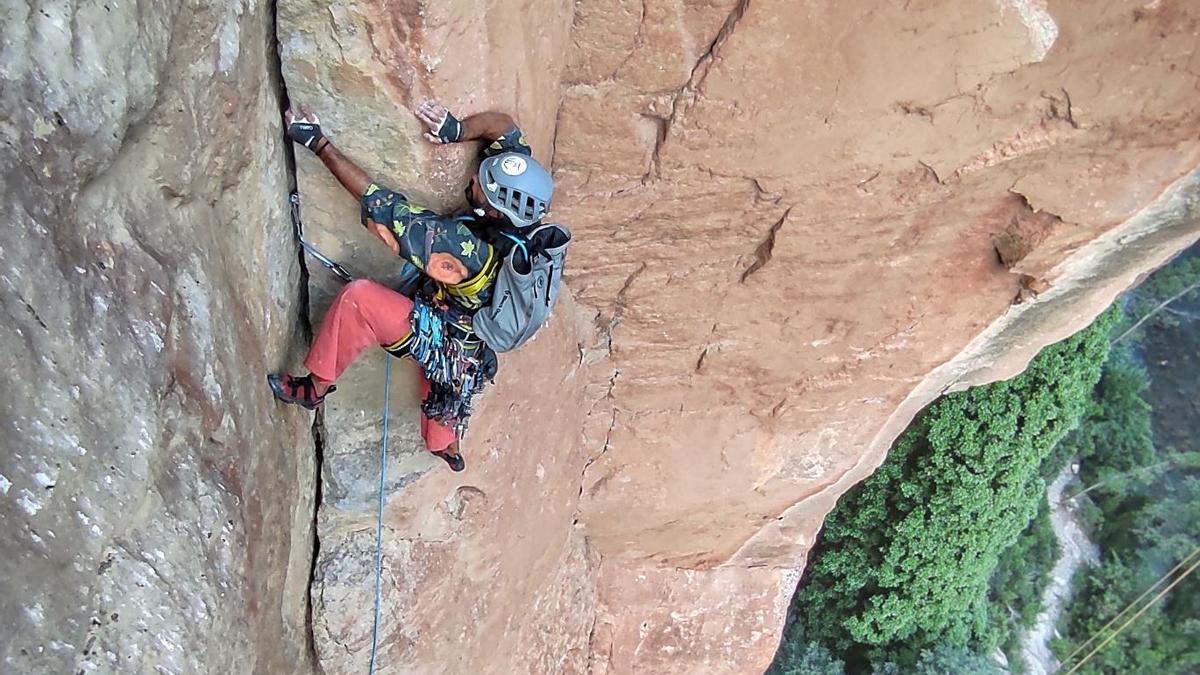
(456,366)
(383,443)
(298,228)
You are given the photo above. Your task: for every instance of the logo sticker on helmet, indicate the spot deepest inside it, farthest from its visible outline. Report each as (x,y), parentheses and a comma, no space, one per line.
(513,166)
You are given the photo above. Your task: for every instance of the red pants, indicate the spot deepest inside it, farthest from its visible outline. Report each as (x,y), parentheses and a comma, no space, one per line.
(365,313)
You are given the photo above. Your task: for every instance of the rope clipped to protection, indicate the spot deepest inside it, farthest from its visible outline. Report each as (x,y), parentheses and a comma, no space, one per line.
(298,228)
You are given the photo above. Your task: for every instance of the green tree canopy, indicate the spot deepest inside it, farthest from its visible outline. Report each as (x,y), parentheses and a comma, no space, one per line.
(907,555)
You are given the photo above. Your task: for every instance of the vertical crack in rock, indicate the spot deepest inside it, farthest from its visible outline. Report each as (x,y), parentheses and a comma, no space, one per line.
(765,249)
(612,423)
(653,168)
(621,302)
(318,426)
(704,64)
(318,434)
(554,136)
(698,74)
(639,40)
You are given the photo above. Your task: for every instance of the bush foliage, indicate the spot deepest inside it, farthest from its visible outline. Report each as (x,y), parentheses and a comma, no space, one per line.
(1015,588)
(1145,516)
(1141,473)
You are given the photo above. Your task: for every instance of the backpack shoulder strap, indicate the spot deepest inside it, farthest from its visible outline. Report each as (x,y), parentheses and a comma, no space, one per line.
(521,243)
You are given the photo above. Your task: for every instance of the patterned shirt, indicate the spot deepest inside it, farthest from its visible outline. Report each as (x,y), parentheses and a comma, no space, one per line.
(421,233)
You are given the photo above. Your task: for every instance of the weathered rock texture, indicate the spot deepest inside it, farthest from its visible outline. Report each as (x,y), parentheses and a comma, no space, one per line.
(805,197)
(796,225)
(483,571)
(156,503)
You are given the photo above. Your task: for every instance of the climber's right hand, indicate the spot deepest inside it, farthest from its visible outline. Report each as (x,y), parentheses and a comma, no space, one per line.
(305,129)
(441,126)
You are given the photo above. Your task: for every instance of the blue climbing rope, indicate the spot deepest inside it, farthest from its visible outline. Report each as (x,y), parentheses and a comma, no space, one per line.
(387,388)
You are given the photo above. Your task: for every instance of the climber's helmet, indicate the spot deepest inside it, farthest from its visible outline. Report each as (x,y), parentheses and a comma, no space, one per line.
(516,186)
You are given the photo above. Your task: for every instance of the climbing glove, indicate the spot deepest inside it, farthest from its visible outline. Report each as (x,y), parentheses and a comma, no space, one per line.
(306,130)
(443,127)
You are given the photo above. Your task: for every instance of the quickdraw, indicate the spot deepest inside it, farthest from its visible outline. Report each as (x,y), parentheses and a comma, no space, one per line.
(298,228)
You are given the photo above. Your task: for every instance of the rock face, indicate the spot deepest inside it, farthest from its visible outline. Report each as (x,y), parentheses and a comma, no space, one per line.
(790,251)
(483,571)
(796,225)
(157,504)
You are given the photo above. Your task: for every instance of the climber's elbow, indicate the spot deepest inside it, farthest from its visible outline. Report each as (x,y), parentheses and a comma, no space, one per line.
(487,125)
(385,235)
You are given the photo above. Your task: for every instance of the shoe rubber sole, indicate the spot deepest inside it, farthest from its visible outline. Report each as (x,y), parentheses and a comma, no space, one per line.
(275,381)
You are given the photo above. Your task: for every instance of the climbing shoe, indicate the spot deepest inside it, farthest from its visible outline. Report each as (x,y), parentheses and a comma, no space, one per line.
(454,459)
(297,390)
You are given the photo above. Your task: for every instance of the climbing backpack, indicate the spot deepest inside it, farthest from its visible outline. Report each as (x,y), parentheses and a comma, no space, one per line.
(526,288)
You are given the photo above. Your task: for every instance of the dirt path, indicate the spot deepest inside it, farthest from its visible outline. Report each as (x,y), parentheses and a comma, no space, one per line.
(1076,550)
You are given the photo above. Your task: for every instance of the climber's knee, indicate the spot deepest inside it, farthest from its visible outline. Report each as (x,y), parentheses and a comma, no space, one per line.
(358,288)
(357,294)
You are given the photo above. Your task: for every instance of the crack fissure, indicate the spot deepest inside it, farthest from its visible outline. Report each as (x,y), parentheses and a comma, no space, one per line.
(306,328)
(638,41)
(766,248)
(697,75)
(619,307)
(554,137)
(654,168)
(34,313)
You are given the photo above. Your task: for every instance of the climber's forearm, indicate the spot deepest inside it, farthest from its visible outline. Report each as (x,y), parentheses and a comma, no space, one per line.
(349,174)
(487,126)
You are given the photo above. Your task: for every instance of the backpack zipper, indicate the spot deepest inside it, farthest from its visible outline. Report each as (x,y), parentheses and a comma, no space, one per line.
(549,280)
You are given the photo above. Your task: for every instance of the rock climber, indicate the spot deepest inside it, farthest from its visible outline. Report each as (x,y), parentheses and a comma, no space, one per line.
(450,262)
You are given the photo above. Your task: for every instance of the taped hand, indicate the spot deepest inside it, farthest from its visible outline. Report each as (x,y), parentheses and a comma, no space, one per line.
(305,129)
(443,127)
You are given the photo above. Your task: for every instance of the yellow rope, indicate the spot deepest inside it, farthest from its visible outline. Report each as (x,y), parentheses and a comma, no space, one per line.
(1133,618)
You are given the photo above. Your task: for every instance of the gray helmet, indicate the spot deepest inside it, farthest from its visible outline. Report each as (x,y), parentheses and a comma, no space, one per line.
(517,186)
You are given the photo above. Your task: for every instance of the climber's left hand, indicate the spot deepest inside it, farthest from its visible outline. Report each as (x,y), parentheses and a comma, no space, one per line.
(305,129)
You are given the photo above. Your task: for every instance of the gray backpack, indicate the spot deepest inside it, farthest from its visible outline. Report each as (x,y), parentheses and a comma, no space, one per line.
(526,288)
